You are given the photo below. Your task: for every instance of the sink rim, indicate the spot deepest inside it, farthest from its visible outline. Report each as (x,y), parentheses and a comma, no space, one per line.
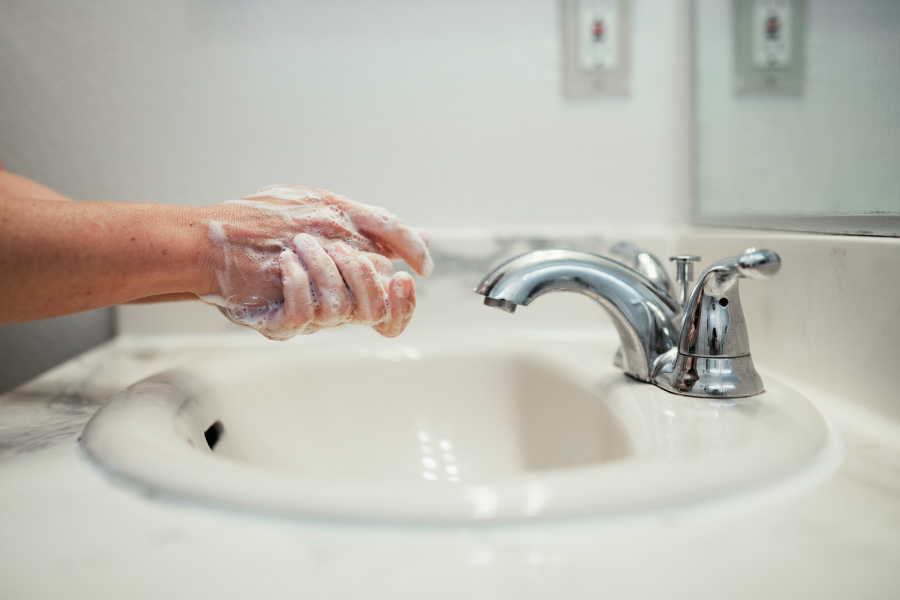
(603,489)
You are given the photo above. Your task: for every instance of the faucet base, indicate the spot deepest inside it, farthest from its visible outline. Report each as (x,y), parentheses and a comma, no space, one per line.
(708,377)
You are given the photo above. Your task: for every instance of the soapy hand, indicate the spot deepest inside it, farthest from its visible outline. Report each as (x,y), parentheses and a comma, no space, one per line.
(293,260)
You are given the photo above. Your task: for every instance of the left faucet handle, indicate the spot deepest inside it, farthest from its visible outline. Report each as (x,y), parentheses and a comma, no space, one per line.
(684,274)
(644,263)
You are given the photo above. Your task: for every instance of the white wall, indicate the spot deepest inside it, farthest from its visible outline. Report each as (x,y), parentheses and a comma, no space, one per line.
(448,113)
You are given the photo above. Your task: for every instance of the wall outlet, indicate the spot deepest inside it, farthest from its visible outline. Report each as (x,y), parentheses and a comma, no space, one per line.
(598,33)
(771,35)
(768,45)
(595,47)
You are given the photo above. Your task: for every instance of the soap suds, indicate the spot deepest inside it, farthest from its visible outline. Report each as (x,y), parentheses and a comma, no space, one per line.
(253,246)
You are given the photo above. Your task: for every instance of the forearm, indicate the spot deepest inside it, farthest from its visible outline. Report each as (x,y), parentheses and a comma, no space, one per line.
(284,260)
(62,257)
(16,186)
(160,298)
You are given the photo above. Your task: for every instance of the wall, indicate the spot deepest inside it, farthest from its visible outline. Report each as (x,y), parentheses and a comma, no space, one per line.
(448,113)
(29,349)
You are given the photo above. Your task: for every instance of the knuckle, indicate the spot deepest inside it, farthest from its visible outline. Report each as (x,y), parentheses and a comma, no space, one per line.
(380,306)
(324,196)
(301,319)
(344,308)
(335,309)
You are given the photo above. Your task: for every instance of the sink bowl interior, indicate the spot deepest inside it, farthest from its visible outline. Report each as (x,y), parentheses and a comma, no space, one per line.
(404,415)
(450,428)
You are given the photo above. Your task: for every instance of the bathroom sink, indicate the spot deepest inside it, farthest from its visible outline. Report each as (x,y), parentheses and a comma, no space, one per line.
(457,427)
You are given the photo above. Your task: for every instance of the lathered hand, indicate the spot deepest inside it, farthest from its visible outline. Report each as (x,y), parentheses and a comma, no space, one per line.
(295,260)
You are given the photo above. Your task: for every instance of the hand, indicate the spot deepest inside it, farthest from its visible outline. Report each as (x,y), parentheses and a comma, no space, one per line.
(291,260)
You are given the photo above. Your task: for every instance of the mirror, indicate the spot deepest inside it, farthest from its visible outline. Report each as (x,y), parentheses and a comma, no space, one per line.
(797,114)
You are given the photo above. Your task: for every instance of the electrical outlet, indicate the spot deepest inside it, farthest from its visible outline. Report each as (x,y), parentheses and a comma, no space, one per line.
(771,35)
(598,32)
(768,45)
(595,47)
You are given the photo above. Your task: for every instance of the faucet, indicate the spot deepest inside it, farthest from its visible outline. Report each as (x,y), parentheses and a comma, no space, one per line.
(698,349)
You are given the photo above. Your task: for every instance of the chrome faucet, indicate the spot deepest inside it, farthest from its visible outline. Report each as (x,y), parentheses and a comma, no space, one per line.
(699,349)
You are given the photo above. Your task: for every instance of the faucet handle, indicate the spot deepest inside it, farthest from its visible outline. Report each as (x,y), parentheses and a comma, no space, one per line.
(758,264)
(644,263)
(713,357)
(714,320)
(684,274)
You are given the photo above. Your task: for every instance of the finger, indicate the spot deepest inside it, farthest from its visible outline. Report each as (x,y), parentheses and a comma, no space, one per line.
(392,233)
(424,234)
(331,222)
(381,263)
(332,299)
(299,308)
(370,301)
(402,301)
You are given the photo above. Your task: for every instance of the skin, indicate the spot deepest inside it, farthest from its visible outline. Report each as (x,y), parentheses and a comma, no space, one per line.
(287,260)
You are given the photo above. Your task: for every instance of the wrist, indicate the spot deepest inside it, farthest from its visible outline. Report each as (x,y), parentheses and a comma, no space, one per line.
(197,264)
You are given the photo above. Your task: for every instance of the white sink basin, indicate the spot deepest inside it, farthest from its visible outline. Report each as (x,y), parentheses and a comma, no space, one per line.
(452,427)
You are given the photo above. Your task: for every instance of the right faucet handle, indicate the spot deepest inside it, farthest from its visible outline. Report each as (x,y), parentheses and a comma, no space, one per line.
(758,264)
(714,319)
(713,357)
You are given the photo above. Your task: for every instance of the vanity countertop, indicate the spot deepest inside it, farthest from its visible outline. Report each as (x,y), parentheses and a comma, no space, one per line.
(830,532)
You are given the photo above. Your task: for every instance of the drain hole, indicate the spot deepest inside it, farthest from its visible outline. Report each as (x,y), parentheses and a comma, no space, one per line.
(214,434)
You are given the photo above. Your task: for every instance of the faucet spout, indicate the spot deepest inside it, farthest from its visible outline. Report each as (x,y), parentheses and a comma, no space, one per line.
(646,318)
(703,351)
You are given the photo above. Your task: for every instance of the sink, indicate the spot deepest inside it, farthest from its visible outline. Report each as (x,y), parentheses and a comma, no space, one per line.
(446,427)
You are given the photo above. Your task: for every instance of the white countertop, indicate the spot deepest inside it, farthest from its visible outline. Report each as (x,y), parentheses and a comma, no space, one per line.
(830,532)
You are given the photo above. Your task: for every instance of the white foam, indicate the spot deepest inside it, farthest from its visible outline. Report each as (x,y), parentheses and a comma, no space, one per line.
(305,210)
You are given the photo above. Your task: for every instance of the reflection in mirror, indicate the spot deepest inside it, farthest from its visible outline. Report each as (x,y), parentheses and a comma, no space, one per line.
(797,114)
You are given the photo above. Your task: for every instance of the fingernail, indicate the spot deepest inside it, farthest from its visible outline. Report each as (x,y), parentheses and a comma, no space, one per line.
(427,266)
(303,239)
(403,286)
(285,257)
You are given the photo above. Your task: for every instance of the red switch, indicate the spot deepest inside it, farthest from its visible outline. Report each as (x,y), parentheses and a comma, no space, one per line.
(773,28)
